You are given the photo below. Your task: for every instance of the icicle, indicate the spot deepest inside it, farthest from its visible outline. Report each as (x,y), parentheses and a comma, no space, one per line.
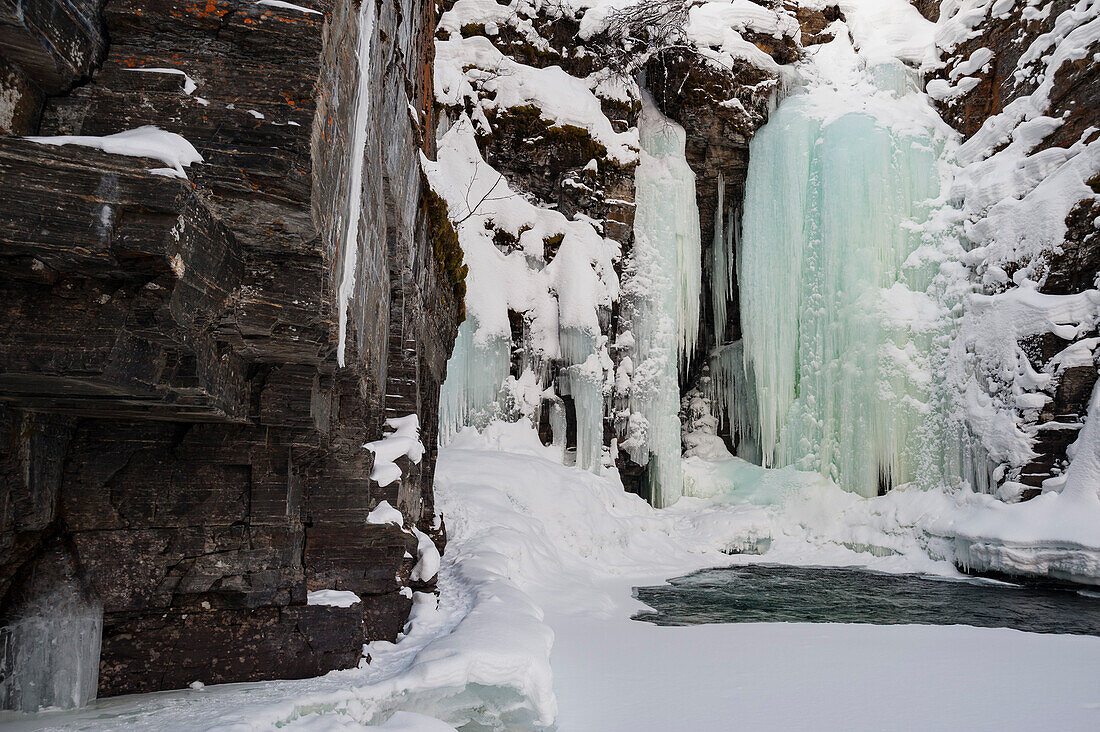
(475,375)
(734,397)
(357,152)
(585,385)
(721,272)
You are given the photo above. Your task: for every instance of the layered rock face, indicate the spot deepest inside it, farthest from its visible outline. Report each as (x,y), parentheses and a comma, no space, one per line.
(1018,81)
(193,364)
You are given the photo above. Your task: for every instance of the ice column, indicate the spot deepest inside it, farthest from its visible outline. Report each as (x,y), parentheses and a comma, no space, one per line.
(663,289)
(734,397)
(723,253)
(838,387)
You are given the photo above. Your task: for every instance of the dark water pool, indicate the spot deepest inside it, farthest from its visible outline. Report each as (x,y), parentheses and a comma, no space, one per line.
(770,593)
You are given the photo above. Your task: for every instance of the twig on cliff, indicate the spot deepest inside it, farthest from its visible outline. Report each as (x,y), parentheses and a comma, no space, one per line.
(471,210)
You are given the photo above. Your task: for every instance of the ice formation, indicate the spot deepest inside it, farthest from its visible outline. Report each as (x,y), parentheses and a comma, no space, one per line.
(662,291)
(475,376)
(357,150)
(723,264)
(49,653)
(833,188)
(562,303)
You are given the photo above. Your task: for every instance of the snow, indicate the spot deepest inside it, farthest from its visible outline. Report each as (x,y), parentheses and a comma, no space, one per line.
(384,513)
(332,598)
(1005,212)
(287,6)
(428,558)
(142,142)
(427,555)
(716,29)
(402,441)
(189,84)
(889,29)
(474,71)
(532,623)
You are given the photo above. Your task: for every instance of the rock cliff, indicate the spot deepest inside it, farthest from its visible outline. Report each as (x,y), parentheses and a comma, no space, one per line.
(194,358)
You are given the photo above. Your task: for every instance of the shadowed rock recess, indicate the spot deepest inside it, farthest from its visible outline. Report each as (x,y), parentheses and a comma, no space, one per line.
(181,447)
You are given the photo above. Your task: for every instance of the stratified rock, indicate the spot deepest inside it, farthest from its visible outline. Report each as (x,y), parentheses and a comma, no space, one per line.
(172,388)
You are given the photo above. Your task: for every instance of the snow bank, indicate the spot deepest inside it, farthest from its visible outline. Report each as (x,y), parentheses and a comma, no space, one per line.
(531,626)
(143,142)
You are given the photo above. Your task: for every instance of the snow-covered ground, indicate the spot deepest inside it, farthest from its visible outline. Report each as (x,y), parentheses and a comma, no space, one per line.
(533,626)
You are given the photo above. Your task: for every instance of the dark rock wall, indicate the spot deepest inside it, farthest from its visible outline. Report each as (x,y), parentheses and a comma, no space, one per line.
(178,424)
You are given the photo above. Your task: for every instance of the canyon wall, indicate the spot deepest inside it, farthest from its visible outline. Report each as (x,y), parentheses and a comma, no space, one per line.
(1018,81)
(194,359)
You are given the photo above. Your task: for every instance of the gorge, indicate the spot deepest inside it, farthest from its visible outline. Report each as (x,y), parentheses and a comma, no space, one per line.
(402,340)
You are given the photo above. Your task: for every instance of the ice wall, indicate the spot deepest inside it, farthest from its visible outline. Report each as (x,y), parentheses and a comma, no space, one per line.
(49,652)
(476,374)
(662,292)
(840,375)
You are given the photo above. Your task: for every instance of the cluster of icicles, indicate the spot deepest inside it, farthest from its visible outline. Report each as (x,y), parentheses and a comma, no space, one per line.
(822,378)
(658,331)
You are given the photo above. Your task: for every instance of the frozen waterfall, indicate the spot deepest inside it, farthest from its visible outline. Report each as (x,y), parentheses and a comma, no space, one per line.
(663,289)
(835,180)
(50,644)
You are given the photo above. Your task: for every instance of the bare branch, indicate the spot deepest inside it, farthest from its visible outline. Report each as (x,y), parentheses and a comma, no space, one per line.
(471,210)
(636,33)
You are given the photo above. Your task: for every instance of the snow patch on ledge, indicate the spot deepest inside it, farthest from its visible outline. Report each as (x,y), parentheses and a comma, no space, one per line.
(404,441)
(143,142)
(189,84)
(384,513)
(332,598)
(287,6)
